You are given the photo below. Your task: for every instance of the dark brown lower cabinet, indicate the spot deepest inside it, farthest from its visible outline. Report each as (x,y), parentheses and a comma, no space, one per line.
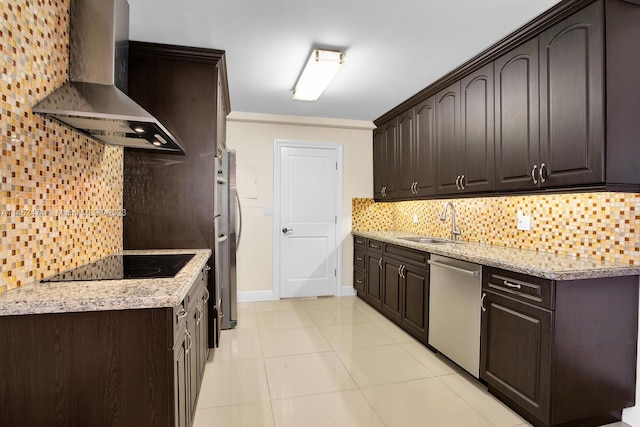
(395,281)
(517,351)
(415,302)
(392,289)
(102,368)
(373,294)
(560,352)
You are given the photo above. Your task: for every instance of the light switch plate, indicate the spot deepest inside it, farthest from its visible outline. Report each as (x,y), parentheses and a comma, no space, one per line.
(268,211)
(415,218)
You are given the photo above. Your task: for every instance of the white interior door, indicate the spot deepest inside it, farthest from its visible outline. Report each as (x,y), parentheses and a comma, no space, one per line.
(308,221)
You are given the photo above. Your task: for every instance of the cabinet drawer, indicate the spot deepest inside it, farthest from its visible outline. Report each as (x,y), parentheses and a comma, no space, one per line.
(359,242)
(529,289)
(179,319)
(409,256)
(375,246)
(359,259)
(359,281)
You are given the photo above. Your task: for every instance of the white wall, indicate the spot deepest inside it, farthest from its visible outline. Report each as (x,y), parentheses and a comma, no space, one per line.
(252,136)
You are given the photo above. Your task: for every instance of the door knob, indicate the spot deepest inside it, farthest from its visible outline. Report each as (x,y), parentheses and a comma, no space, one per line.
(286,230)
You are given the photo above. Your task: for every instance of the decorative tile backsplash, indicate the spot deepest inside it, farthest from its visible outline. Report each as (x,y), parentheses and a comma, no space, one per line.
(60,192)
(605,226)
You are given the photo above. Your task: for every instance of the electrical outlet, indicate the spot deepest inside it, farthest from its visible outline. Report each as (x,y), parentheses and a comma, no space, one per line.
(415,218)
(268,211)
(523,221)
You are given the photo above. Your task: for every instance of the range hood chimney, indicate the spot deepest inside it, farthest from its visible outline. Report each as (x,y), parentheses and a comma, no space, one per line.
(93,101)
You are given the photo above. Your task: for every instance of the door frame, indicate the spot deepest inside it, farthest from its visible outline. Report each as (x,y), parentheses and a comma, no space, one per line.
(278,144)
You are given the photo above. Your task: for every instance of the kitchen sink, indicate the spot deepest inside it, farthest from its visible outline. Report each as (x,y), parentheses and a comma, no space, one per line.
(428,240)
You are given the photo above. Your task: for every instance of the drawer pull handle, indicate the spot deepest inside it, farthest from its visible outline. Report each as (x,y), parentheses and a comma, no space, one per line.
(380,263)
(359,258)
(512,285)
(358,281)
(484,295)
(181,314)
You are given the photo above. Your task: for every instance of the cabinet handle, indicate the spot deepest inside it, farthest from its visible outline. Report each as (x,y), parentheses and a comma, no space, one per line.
(533,174)
(413,191)
(207,268)
(384,191)
(380,263)
(359,242)
(511,285)
(181,314)
(462,182)
(188,335)
(358,281)
(359,258)
(482,302)
(402,272)
(199,318)
(542,165)
(458,182)
(206,294)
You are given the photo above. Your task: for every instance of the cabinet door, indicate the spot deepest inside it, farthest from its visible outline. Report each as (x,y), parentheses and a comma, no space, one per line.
(424,150)
(192,363)
(477,129)
(180,382)
(374,280)
(447,138)
(391,289)
(384,161)
(415,302)
(406,155)
(515,358)
(572,99)
(391,150)
(379,162)
(517,138)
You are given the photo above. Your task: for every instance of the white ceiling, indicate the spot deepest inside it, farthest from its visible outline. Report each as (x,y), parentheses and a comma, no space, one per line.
(393,48)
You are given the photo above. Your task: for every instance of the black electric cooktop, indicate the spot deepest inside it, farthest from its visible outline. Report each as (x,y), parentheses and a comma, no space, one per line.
(118,267)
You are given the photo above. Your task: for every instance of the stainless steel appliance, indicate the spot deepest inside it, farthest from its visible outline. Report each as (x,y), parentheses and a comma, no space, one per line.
(454,310)
(229,232)
(93,101)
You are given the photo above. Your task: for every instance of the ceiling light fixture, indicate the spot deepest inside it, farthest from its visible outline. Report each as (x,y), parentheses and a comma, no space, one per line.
(322,67)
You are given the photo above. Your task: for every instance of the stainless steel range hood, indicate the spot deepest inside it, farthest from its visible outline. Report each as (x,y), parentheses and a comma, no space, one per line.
(93,101)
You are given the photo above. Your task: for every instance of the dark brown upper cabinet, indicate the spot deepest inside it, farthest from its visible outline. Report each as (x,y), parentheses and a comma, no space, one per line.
(477,131)
(406,154)
(554,106)
(572,100)
(447,139)
(416,142)
(464,134)
(385,148)
(517,138)
(424,156)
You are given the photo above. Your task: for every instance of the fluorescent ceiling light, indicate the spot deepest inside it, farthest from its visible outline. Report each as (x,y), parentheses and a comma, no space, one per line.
(322,67)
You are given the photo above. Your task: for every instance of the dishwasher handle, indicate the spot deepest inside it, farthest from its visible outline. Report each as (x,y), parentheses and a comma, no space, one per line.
(472,273)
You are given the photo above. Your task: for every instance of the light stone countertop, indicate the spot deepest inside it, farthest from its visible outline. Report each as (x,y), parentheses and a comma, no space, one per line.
(539,264)
(103,295)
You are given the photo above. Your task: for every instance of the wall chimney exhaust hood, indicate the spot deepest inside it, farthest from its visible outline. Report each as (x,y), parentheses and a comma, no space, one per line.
(93,101)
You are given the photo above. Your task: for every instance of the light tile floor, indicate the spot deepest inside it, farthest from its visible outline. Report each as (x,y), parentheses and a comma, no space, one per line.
(336,362)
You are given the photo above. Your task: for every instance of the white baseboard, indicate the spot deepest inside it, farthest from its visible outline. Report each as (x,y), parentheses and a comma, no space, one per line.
(347,291)
(253,296)
(631,416)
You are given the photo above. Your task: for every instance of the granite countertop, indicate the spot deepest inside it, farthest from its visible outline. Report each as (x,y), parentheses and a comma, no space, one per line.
(539,264)
(102,295)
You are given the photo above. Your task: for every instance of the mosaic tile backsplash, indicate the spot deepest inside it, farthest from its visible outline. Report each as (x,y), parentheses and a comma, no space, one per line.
(604,226)
(60,192)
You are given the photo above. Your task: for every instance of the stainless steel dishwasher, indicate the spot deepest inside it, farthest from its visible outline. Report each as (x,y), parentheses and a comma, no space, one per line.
(454,310)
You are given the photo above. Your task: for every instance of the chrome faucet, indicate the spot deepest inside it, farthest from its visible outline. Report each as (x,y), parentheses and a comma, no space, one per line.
(455,232)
